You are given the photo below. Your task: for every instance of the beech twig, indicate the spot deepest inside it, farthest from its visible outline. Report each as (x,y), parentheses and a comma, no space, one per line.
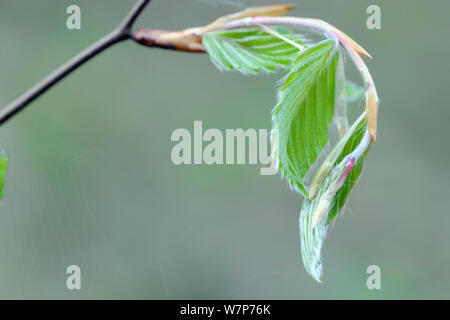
(190,40)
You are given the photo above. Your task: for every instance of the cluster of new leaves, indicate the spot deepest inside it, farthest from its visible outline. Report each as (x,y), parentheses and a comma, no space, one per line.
(313,94)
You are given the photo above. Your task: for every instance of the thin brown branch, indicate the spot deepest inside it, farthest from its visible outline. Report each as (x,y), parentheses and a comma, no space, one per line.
(122,32)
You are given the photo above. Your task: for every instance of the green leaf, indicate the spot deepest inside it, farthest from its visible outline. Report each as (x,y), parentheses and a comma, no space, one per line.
(336,154)
(344,192)
(251,50)
(318,212)
(353,91)
(3,167)
(305,110)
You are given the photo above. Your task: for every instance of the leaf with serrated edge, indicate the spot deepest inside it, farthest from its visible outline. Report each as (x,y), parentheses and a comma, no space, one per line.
(250,49)
(305,110)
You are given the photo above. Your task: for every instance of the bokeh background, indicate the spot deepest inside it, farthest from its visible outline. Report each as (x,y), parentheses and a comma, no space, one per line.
(91,183)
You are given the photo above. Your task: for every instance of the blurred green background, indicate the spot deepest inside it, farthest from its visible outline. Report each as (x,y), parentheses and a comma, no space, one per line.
(91,183)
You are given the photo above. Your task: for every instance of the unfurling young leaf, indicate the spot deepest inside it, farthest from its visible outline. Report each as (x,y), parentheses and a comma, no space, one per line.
(333,156)
(312,226)
(355,140)
(251,50)
(3,167)
(318,211)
